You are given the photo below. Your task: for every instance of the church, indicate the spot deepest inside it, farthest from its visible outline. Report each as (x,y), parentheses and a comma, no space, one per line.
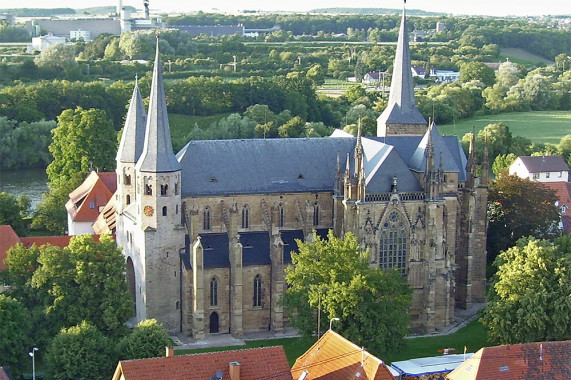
(208,232)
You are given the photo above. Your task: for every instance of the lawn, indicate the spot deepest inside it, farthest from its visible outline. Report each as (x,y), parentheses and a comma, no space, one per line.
(538,126)
(181,125)
(473,336)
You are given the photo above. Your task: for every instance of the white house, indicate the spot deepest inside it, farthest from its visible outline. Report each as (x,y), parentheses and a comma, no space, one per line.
(540,168)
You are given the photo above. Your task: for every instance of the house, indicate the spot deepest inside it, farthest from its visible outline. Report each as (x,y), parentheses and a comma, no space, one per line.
(372,77)
(256,363)
(429,368)
(207,233)
(88,200)
(43,42)
(540,168)
(333,357)
(542,360)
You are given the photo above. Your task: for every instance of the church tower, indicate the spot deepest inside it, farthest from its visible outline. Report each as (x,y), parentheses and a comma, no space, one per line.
(152,233)
(401,117)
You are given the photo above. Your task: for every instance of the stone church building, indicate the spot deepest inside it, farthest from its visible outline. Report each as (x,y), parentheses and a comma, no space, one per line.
(208,232)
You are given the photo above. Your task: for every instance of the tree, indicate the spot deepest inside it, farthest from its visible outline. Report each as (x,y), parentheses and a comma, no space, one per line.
(565,147)
(13,211)
(14,331)
(57,56)
(502,163)
(293,128)
(530,296)
(85,281)
(80,352)
(517,208)
(148,340)
(332,277)
(477,71)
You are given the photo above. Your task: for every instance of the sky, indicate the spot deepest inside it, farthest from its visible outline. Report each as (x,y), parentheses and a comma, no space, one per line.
(456,7)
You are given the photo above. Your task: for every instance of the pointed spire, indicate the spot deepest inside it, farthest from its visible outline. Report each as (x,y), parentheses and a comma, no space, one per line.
(157,153)
(133,137)
(338,165)
(348,166)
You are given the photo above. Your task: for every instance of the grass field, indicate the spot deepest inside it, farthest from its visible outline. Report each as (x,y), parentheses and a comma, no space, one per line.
(538,126)
(181,125)
(473,336)
(518,55)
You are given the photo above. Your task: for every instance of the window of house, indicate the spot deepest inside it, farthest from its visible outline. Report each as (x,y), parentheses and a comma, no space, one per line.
(393,244)
(213,292)
(560,174)
(92,204)
(316,214)
(258,291)
(535,175)
(246,217)
(547,175)
(206,218)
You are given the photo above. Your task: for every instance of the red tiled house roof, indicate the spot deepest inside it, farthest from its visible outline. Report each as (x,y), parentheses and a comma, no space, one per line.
(547,360)
(8,238)
(85,202)
(563,192)
(257,363)
(336,358)
(106,222)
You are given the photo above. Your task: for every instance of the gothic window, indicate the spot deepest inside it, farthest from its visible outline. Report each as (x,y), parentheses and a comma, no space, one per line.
(281,216)
(164,189)
(246,216)
(127,180)
(164,210)
(316,214)
(206,218)
(128,199)
(213,292)
(258,291)
(393,244)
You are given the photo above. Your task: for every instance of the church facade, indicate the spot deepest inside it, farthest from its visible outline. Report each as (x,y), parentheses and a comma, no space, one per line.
(208,232)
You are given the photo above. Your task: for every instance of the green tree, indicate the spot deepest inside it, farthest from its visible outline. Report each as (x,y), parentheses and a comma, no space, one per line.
(530,297)
(477,71)
(565,147)
(57,56)
(13,211)
(14,331)
(80,352)
(517,208)
(332,278)
(147,340)
(502,163)
(293,128)
(84,282)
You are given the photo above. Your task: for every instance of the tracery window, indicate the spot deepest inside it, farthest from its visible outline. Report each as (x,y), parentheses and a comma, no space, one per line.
(213,292)
(316,214)
(393,244)
(246,217)
(281,216)
(206,218)
(258,291)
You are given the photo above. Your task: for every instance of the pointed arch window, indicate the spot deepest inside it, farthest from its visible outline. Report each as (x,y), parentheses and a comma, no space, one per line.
(206,218)
(316,214)
(258,291)
(393,244)
(246,217)
(213,292)
(281,216)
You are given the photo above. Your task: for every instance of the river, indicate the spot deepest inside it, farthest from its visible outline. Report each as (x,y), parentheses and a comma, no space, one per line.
(31,182)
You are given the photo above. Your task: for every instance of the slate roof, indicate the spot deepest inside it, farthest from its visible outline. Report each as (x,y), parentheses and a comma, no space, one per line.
(157,155)
(215,247)
(401,108)
(547,360)
(537,164)
(96,190)
(255,248)
(288,238)
(418,159)
(256,363)
(133,137)
(333,357)
(258,166)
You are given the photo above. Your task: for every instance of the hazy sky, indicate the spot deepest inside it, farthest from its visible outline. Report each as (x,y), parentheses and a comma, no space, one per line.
(475,7)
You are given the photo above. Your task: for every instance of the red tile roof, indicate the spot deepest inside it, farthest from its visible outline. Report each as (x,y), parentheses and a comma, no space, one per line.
(86,200)
(336,358)
(257,363)
(106,222)
(547,360)
(8,238)
(563,192)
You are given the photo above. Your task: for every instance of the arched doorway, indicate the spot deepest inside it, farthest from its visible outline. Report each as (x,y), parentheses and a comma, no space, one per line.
(214,323)
(131,282)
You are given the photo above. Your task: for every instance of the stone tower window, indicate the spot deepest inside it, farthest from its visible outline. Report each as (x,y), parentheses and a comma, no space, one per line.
(127,180)
(164,210)
(258,291)
(246,216)
(393,244)
(316,214)
(128,199)
(176,188)
(164,189)
(206,218)
(213,292)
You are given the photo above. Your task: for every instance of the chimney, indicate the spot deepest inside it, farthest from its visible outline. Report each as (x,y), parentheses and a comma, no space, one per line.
(170,352)
(234,371)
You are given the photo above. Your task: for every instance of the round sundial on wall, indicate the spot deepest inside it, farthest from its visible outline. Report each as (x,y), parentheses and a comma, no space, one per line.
(148,210)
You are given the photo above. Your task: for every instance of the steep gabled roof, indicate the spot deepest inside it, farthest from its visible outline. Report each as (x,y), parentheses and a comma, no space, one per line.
(333,357)
(547,360)
(257,363)
(106,222)
(8,238)
(418,159)
(538,164)
(157,155)
(401,108)
(133,137)
(85,201)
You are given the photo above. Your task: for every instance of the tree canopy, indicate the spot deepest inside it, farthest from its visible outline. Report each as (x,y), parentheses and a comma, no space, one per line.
(14,331)
(147,340)
(13,211)
(517,208)
(331,278)
(530,296)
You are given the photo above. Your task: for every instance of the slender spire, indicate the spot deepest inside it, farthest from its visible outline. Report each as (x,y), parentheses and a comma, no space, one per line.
(157,153)
(133,137)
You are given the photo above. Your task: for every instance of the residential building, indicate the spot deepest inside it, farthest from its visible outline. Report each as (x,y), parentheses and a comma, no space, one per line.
(542,360)
(256,363)
(540,168)
(208,232)
(435,367)
(333,357)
